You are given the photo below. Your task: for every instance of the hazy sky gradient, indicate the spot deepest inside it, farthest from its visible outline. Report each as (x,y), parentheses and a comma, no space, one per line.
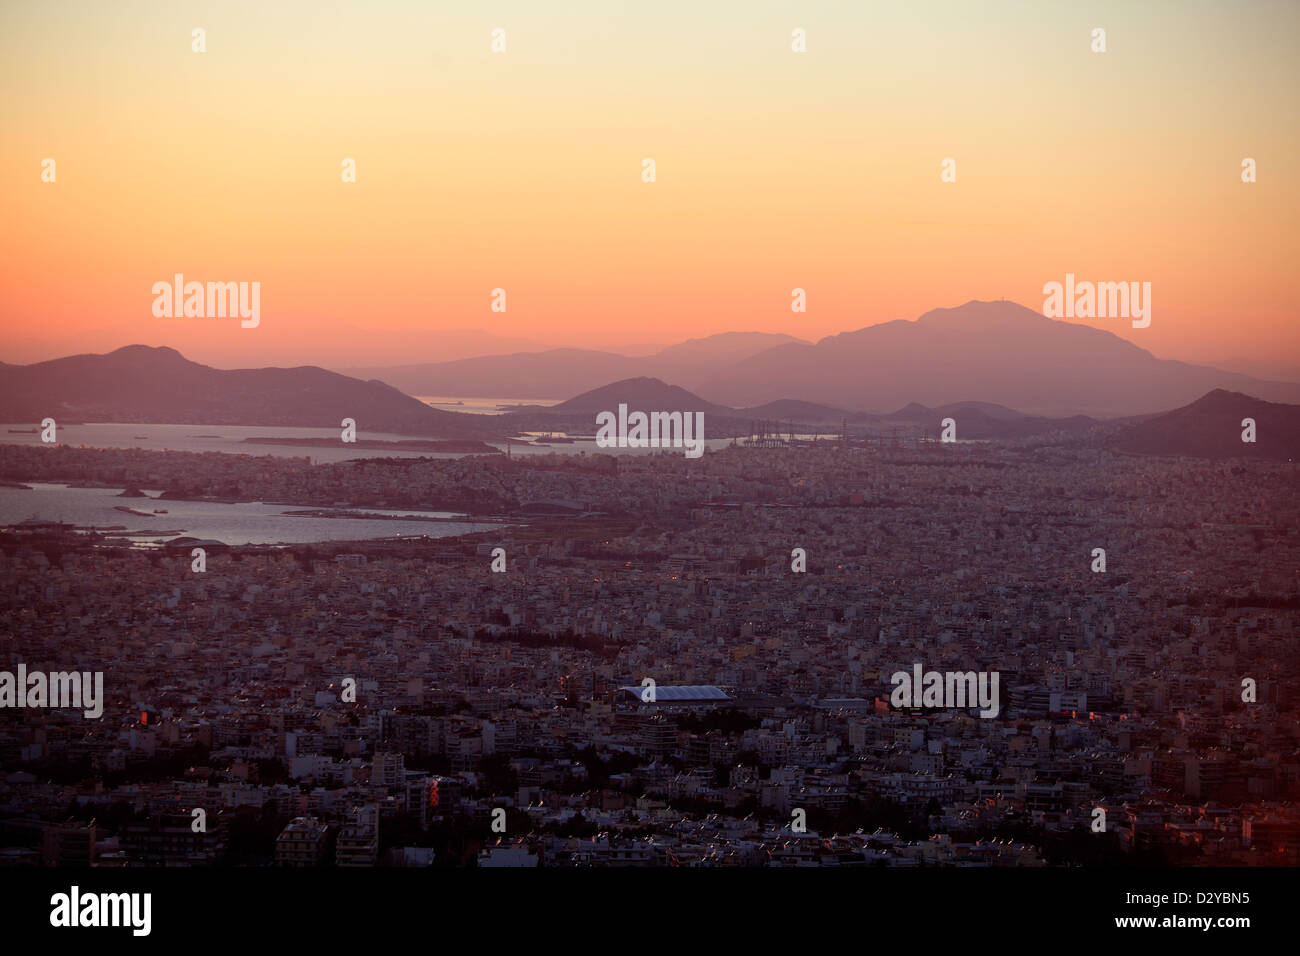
(522,170)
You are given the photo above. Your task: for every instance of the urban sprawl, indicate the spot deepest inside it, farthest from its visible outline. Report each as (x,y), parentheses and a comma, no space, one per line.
(683,662)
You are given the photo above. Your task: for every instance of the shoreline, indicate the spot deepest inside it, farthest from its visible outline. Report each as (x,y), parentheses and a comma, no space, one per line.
(457,446)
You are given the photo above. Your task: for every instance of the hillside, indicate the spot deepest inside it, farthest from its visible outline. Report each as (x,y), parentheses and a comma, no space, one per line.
(138,383)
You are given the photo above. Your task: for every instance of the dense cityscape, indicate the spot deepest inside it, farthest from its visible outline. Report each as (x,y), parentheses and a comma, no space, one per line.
(660,661)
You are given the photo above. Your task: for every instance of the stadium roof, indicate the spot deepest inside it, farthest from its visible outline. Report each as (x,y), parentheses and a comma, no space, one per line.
(682,692)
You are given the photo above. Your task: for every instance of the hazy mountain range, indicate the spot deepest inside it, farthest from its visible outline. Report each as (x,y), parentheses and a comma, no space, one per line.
(979,420)
(563,373)
(144,384)
(1210,427)
(330,343)
(999,351)
(992,366)
(140,383)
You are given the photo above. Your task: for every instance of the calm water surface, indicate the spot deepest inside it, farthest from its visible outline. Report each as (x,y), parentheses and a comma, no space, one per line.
(242,523)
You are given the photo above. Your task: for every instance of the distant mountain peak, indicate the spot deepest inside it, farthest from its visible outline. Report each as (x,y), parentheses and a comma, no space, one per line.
(1210,427)
(728,345)
(159,351)
(911,410)
(141,383)
(993,313)
(1223,395)
(1225,401)
(641,393)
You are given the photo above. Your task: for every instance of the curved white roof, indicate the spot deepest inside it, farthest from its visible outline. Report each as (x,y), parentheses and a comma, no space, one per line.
(682,692)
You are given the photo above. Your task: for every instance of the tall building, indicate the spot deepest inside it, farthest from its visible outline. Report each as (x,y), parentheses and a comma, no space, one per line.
(358,842)
(301,843)
(69,844)
(170,840)
(388,770)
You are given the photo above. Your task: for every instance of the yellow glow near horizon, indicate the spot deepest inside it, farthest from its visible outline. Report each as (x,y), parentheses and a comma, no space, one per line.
(521,170)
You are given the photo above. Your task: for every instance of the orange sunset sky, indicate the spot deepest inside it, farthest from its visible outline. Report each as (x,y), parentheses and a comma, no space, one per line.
(522,170)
